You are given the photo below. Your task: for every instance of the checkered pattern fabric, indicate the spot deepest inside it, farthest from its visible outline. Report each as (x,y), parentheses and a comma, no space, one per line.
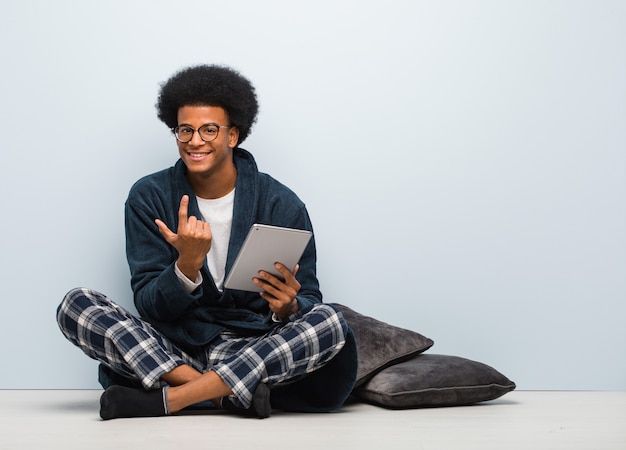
(127,345)
(302,345)
(133,348)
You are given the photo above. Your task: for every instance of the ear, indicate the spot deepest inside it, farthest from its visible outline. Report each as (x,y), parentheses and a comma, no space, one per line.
(233,137)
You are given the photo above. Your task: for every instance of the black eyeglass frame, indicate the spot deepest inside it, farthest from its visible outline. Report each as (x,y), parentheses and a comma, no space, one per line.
(176,129)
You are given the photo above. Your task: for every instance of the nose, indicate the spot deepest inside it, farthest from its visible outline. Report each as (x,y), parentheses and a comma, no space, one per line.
(196,140)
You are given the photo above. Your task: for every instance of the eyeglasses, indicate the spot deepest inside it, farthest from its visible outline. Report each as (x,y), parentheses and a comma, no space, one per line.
(207,132)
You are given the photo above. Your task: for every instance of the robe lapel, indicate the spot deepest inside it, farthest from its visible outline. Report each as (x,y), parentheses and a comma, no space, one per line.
(246,203)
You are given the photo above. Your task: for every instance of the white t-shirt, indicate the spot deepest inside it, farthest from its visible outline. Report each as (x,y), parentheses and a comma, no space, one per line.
(218,213)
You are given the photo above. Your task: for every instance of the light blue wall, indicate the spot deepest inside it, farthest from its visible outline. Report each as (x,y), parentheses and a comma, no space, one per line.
(464,163)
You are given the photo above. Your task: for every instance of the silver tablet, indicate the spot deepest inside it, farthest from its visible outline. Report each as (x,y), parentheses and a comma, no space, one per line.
(264,246)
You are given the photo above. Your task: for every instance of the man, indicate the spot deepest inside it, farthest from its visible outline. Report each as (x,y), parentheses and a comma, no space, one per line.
(195,340)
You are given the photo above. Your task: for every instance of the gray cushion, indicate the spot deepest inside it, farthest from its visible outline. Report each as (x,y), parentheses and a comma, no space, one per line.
(434,380)
(381,345)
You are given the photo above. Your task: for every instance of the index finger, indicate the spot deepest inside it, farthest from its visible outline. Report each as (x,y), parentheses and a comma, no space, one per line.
(287,274)
(182,210)
(285,270)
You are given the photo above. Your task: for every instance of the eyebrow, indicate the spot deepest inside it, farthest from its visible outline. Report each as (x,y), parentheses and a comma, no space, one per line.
(203,125)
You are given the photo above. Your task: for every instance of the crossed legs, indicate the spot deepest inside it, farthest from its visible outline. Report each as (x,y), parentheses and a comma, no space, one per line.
(240,369)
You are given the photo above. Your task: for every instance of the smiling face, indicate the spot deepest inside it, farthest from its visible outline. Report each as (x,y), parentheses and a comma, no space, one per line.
(210,168)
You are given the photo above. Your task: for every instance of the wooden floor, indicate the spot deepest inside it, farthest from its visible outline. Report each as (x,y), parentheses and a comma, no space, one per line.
(526,420)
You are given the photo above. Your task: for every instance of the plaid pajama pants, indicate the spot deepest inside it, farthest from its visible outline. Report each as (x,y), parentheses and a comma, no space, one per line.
(134,349)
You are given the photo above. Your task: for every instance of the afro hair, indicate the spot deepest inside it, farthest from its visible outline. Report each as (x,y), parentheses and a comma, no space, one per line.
(210,85)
